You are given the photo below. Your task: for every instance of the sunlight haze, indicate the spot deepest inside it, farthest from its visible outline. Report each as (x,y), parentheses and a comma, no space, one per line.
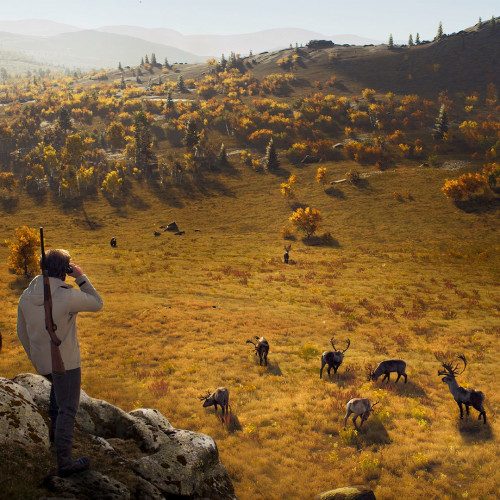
(364,18)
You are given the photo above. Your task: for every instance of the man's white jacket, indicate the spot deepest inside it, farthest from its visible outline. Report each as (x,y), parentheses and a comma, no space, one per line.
(66,303)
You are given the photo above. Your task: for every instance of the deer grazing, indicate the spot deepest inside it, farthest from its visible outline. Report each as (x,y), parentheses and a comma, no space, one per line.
(360,407)
(261,348)
(332,358)
(385,368)
(219,397)
(467,397)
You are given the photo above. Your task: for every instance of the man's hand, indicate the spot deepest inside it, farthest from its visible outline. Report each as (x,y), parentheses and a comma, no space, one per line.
(77,271)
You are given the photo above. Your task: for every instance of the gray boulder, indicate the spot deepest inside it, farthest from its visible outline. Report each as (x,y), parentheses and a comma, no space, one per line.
(187,464)
(20,419)
(347,493)
(88,484)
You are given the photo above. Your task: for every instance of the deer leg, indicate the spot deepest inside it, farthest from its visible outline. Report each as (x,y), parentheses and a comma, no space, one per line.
(346,417)
(387,377)
(354,422)
(399,376)
(406,377)
(335,368)
(329,373)
(321,369)
(215,406)
(461,410)
(467,410)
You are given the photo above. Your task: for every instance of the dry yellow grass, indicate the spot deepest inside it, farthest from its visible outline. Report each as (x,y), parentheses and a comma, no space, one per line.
(407,278)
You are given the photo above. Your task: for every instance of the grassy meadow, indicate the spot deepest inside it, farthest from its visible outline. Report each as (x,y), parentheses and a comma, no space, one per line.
(406,276)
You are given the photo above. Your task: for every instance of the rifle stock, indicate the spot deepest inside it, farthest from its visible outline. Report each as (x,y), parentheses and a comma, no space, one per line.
(55,342)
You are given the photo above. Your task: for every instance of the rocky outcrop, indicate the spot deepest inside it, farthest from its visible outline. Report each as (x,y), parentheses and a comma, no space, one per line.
(173,462)
(347,493)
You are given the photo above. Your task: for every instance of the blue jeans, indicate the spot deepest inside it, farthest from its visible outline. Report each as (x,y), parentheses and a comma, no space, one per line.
(63,405)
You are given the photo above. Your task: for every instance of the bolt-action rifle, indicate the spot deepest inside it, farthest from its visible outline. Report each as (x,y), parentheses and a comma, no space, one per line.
(55,342)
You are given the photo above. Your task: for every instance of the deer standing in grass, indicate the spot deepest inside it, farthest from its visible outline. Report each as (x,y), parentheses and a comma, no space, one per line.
(219,397)
(360,407)
(286,255)
(261,348)
(385,368)
(467,397)
(332,358)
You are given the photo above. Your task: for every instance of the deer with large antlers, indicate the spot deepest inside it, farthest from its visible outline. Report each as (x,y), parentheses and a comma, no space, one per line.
(261,348)
(385,368)
(332,358)
(360,407)
(467,397)
(219,397)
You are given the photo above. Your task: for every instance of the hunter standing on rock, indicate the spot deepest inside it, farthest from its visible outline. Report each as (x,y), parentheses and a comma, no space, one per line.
(66,302)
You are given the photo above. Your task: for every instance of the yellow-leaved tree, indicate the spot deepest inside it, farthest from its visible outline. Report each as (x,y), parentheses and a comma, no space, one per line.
(307,220)
(322,176)
(23,258)
(288,188)
(112,183)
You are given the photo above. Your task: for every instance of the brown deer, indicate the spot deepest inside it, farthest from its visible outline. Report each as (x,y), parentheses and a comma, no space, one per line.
(261,348)
(467,397)
(286,256)
(219,397)
(385,368)
(360,407)
(332,358)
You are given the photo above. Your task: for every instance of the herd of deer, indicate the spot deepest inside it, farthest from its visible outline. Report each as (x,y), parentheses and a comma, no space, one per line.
(362,407)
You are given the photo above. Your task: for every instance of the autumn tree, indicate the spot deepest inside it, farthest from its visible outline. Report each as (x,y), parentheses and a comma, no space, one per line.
(322,176)
(116,135)
(271,161)
(289,188)
(23,258)
(307,220)
(112,183)
(7,182)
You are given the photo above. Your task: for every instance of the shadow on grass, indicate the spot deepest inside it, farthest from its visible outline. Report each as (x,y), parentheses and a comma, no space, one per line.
(274,369)
(335,193)
(233,423)
(20,283)
(296,205)
(321,241)
(479,206)
(10,204)
(374,432)
(473,430)
(410,389)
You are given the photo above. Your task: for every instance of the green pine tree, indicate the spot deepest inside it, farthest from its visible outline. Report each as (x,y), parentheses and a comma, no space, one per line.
(181,86)
(391,42)
(191,136)
(441,125)
(143,143)
(222,158)
(417,39)
(271,161)
(439,33)
(410,41)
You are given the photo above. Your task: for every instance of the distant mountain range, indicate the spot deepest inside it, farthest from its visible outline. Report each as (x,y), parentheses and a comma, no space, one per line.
(60,44)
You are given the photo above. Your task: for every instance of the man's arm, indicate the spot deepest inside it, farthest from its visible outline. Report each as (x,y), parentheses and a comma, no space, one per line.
(87,298)
(22,332)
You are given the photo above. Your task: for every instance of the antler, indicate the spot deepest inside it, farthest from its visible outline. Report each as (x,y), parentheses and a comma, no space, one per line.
(369,368)
(451,370)
(373,405)
(462,357)
(333,345)
(348,344)
(205,397)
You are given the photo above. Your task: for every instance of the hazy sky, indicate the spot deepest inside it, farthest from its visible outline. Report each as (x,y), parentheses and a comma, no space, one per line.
(368,18)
